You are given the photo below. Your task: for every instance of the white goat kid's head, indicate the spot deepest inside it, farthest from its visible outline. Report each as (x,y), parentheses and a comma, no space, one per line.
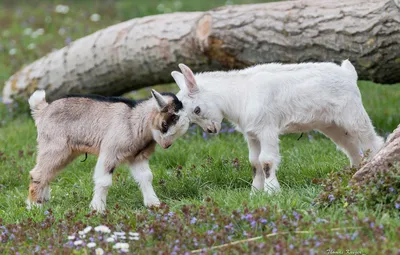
(171,120)
(199,106)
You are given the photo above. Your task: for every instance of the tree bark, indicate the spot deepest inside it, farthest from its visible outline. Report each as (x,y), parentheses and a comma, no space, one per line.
(386,158)
(143,51)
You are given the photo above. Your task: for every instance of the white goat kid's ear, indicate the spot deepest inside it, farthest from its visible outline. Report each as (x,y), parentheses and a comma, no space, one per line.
(179,80)
(189,79)
(161,102)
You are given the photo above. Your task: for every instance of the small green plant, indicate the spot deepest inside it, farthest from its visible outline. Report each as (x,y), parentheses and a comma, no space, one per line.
(379,190)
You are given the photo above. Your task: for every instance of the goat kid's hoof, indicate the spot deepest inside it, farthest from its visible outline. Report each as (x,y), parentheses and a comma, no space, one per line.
(271,190)
(152,203)
(30,205)
(99,207)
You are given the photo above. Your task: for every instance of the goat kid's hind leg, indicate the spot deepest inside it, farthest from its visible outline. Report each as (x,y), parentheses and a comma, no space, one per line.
(269,160)
(346,141)
(141,172)
(102,178)
(49,163)
(258,173)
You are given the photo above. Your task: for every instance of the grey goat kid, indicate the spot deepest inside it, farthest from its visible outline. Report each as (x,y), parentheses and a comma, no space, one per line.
(117,130)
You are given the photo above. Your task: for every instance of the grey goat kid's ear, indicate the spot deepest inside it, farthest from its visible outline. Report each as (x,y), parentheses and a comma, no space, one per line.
(161,102)
(189,79)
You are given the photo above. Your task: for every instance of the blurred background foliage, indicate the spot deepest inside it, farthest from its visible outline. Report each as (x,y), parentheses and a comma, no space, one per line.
(30,29)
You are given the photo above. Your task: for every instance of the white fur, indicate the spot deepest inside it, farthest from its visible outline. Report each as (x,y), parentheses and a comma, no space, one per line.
(102,181)
(265,101)
(142,174)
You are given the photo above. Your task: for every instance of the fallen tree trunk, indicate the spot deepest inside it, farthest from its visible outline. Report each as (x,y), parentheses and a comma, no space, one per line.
(386,158)
(143,51)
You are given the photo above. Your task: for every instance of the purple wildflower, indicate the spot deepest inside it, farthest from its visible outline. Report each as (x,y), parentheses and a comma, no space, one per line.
(249,216)
(204,135)
(210,232)
(193,220)
(372,224)
(291,246)
(46,212)
(397,205)
(331,197)
(354,236)
(253,224)
(263,221)
(68,40)
(231,130)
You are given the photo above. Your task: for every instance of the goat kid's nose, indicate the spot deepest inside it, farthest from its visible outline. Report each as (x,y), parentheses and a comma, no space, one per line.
(209,130)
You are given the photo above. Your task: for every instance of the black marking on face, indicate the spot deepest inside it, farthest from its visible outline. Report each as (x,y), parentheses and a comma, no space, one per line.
(36,182)
(254,172)
(129,102)
(171,120)
(112,170)
(175,101)
(267,169)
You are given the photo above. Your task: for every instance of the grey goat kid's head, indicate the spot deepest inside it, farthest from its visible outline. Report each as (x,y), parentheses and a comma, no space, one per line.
(171,120)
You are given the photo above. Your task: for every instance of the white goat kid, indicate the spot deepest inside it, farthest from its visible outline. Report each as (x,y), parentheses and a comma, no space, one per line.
(267,100)
(116,129)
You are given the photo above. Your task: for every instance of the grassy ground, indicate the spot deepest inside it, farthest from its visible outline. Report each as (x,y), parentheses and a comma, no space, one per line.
(203,180)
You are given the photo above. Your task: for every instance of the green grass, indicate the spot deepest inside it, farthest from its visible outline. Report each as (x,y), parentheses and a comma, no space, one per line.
(193,170)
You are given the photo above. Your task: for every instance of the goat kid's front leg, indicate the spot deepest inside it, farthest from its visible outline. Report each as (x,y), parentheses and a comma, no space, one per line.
(102,181)
(269,159)
(141,172)
(258,173)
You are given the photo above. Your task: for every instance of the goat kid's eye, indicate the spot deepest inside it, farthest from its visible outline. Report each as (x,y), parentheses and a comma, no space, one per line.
(197,110)
(175,118)
(164,127)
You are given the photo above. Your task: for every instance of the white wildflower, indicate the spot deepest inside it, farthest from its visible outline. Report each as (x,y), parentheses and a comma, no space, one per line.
(61,31)
(31,46)
(38,32)
(102,228)
(121,246)
(64,9)
(124,250)
(133,233)
(12,51)
(110,240)
(134,238)
(91,245)
(119,233)
(78,242)
(178,5)
(6,33)
(87,229)
(99,251)
(95,17)
(160,8)
(71,237)
(27,31)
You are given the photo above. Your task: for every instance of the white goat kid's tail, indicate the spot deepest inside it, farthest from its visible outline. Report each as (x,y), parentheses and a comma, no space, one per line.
(349,68)
(37,102)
